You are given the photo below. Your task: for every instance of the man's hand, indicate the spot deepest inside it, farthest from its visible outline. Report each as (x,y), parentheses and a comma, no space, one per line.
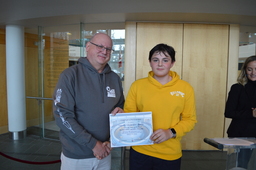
(117,110)
(107,145)
(101,150)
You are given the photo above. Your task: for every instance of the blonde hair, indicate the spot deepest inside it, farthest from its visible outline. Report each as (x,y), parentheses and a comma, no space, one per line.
(242,77)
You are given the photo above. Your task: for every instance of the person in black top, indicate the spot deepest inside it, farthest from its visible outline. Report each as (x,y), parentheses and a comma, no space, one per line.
(241,105)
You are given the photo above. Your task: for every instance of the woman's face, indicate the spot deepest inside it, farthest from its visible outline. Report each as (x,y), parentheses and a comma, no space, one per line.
(251,71)
(161,64)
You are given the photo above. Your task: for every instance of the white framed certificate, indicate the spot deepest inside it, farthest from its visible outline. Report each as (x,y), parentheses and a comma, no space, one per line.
(130,129)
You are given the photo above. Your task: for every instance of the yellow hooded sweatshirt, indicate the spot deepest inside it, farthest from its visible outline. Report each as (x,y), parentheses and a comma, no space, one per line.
(172,106)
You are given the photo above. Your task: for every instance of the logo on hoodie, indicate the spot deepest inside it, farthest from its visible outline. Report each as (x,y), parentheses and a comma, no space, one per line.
(177,93)
(58,96)
(111,92)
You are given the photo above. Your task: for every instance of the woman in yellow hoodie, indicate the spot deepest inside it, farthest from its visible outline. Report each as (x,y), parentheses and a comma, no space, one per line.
(172,103)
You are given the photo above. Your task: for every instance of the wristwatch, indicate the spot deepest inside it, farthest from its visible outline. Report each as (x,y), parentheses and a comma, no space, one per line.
(173,133)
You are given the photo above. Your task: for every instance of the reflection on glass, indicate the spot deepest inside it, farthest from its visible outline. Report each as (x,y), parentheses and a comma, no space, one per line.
(117,57)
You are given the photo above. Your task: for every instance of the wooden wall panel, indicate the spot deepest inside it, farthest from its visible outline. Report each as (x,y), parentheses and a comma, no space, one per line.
(203,51)
(31,40)
(56,59)
(3,94)
(151,34)
(31,75)
(2,36)
(232,63)
(205,57)
(130,55)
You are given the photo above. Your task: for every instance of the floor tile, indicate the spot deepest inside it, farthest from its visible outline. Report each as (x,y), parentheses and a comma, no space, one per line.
(34,148)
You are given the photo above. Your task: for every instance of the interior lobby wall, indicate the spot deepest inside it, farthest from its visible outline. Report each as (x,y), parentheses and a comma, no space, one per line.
(57,58)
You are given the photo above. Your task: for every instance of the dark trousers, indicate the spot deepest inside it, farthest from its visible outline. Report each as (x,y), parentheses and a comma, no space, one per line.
(140,161)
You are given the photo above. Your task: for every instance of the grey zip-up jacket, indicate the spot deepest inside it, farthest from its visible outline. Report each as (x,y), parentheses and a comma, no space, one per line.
(83,100)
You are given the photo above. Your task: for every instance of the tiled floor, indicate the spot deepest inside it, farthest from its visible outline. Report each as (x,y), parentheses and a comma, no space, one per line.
(33,149)
(36,149)
(33,152)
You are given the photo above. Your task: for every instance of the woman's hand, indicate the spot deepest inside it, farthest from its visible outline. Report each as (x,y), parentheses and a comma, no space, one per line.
(161,135)
(254,112)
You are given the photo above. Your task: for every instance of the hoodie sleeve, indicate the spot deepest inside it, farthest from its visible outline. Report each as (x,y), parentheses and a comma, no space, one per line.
(188,116)
(64,111)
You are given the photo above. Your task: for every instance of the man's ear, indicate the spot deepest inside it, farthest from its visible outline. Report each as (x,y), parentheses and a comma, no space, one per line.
(87,46)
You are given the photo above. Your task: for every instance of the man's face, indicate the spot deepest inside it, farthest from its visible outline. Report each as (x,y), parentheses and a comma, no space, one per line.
(98,50)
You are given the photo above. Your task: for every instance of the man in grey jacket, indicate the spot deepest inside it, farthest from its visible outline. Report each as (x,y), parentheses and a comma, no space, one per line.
(85,95)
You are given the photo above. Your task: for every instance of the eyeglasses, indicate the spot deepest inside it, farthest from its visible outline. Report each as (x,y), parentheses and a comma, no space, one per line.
(102,48)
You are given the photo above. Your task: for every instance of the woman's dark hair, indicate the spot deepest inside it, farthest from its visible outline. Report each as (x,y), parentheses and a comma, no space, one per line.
(242,78)
(165,49)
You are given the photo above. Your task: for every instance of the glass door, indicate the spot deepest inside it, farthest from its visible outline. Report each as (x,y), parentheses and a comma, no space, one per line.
(52,55)
(54,49)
